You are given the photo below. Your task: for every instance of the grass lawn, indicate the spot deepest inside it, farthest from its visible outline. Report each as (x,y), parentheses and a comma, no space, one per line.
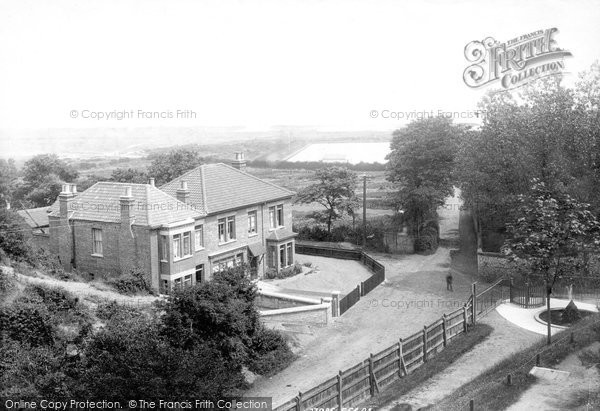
(459,346)
(490,390)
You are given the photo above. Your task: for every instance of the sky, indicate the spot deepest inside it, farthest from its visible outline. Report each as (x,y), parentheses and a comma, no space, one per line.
(325,64)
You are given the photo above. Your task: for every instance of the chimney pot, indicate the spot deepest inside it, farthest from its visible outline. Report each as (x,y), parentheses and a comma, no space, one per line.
(65,189)
(239,162)
(184,185)
(74,188)
(151,182)
(127,191)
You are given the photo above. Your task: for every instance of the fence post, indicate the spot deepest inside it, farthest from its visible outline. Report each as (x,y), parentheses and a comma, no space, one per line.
(400,357)
(340,388)
(474,294)
(371,379)
(472,405)
(537,360)
(444,329)
(358,290)
(335,304)
(424,343)
(299,401)
(465,316)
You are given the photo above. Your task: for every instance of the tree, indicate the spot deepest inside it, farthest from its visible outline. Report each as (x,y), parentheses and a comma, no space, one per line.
(543,130)
(43,176)
(168,166)
(334,190)
(8,175)
(550,233)
(129,175)
(421,167)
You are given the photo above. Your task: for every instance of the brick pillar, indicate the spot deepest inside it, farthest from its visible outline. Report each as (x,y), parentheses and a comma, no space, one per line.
(127,251)
(65,230)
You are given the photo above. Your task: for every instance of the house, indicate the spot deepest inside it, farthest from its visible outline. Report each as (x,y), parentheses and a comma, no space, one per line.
(35,222)
(213,217)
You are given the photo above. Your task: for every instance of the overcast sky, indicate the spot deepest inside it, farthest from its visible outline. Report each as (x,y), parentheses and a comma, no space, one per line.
(259,63)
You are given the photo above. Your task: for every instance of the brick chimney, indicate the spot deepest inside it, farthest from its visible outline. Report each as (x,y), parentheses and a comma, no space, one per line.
(62,232)
(126,201)
(183,193)
(64,200)
(239,162)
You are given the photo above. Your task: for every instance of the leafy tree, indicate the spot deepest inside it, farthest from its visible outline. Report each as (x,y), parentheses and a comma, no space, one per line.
(43,176)
(421,166)
(168,166)
(129,175)
(335,190)
(8,175)
(551,232)
(543,130)
(12,239)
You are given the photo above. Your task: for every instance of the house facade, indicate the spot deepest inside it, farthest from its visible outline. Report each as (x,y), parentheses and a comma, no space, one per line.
(211,218)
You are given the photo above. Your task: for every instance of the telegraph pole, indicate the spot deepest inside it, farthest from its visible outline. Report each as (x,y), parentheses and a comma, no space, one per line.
(364,211)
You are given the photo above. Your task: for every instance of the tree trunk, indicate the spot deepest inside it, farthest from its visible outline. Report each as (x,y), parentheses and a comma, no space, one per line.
(548,292)
(329,224)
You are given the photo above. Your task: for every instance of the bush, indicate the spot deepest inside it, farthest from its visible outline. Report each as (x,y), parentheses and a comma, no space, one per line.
(12,241)
(27,324)
(270,353)
(112,310)
(284,272)
(131,283)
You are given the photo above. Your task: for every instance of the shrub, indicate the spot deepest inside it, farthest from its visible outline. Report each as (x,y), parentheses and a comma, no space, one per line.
(12,241)
(27,324)
(112,310)
(284,272)
(270,353)
(54,298)
(132,282)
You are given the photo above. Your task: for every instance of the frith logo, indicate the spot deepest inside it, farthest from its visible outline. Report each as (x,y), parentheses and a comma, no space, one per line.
(515,62)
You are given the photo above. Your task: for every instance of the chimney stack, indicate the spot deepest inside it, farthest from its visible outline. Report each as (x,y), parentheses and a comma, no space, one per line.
(64,200)
(126,201)
(151,182)
(239,162)
(183,193)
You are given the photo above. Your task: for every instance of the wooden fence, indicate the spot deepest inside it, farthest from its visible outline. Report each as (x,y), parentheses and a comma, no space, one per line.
(351,387)
(361,289)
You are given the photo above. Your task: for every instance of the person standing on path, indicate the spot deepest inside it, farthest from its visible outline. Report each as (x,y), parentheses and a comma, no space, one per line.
(449,282)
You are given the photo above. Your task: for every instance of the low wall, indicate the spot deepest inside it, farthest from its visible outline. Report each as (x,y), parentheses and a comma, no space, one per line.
(272,300)
(318,314)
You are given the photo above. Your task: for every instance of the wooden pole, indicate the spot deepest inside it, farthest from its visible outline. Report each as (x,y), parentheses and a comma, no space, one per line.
(364,239)
(509,379)
(424,343)
(299,401)
(371,376)
(444,329)
(402,364)
(474,294)
(340,391)
(472,405)
(465,317)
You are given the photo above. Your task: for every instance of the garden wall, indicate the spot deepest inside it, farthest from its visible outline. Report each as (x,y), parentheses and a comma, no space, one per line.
(318,314)
(270,300)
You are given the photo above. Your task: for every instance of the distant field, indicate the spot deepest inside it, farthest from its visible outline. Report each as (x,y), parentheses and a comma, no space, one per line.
(352,153)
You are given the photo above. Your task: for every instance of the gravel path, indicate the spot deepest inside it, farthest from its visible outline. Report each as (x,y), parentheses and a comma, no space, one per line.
(505,340)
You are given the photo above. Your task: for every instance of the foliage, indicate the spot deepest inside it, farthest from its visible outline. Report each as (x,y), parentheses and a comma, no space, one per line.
(551,232)
(43,176)
(270,353)
(285,272)
(570,313)
(543,130)
(12,239)
(427,242)
(421,165)
(8,176)
(131,283)
(129,175)
(168,166)
(334,190)
(26,323)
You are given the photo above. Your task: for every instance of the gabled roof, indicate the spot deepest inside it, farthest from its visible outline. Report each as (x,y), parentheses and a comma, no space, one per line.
(151,206)
(219,187)
(35,217)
